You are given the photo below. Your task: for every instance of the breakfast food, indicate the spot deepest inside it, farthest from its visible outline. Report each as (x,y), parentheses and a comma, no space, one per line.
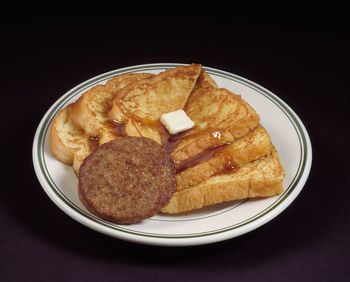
(245,150)
(260,178)
(127,179)
(176,122)
(227,155)
(68,141)
(140,105)
(81,126)
(90,110)
(227,118)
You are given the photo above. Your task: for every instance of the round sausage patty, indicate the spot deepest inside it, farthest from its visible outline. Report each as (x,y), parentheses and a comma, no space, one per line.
(127,180)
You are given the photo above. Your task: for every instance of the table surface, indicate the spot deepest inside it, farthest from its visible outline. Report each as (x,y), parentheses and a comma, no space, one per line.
(298,53)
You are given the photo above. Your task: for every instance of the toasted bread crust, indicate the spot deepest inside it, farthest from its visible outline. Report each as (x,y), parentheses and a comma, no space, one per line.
(73,126)
(227,119)
(153,130)
(68,142)
(148,99)
(58,148)
(247,149)
(261,178)
(90,111)
(120,81)
(144,101)
(204,80)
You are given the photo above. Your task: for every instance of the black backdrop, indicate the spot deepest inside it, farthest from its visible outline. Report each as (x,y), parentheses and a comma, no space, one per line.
(298,52)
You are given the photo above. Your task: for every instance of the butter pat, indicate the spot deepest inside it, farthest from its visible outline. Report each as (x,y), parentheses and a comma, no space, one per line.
(176,122)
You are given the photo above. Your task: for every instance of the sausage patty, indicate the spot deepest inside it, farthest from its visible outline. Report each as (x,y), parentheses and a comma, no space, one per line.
(127,180)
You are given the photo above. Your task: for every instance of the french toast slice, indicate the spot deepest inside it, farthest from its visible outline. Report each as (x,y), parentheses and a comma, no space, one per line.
(204,80)
(158,133)
(68,141)
(260,178)
(120,81)
(220,118)
(141,104)
(90,111)
(247,149)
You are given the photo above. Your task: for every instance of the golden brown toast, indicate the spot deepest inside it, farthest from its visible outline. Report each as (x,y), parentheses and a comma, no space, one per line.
(90,111)
(157,132)
(204,80)
(226,156)
(220,117)
(247,149)
(68,141)
(120,81)
(260,178)
(81,126)
(141,104)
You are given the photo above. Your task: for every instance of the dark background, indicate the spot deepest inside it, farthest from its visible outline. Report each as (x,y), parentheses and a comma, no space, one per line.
(298,52)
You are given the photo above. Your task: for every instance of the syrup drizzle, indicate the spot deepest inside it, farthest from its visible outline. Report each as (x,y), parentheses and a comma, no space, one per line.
(170,142)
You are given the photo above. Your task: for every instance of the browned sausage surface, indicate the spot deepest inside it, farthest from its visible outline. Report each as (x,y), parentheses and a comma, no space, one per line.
(127,180)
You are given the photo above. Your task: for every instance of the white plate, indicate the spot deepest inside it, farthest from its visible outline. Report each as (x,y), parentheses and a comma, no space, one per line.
(208,225)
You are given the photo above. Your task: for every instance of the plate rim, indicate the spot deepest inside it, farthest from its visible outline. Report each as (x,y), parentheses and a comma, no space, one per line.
(274,209)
